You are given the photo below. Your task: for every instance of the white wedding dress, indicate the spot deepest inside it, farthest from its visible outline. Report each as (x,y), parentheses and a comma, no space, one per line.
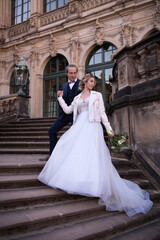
(81,164)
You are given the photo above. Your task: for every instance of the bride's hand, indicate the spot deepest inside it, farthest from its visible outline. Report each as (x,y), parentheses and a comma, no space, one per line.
(110,133)
(60,94)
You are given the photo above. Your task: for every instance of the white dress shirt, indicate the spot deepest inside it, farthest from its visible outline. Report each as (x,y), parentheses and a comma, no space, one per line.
(71,84)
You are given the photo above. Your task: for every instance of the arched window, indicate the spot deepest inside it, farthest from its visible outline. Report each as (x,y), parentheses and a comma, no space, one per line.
(14,87)
(53,78)
(49,5)
(100,65)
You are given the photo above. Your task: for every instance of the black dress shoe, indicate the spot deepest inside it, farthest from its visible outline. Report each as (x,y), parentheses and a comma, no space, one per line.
(44,159)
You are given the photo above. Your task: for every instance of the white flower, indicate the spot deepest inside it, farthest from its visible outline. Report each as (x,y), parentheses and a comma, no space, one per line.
(121,141)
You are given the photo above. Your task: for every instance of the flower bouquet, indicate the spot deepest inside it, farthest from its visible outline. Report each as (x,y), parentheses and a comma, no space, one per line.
(119,141)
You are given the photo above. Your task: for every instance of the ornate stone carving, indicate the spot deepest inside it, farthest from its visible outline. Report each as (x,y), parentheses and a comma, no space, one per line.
(33,22)
(54,16)
(99,38)
(121,74)
(89,4)
(74,46)
(72,8)
(126,32)
(156,22)
(15,55)
(34,55)
(19,29)
(52,46)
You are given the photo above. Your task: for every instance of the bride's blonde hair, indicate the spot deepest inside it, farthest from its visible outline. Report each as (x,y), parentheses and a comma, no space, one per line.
(84,80)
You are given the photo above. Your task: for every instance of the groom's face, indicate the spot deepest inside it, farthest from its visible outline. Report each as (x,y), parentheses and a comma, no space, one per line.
(72,73)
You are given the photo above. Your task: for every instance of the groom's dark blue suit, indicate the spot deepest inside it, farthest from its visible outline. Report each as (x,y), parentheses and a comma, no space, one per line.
(63,118)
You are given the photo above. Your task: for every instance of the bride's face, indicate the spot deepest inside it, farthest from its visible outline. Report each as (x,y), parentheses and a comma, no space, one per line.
(90,83)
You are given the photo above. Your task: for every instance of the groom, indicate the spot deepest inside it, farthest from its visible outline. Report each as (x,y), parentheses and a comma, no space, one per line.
(70,90)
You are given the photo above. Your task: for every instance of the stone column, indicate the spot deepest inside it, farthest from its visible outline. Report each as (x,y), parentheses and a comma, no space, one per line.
(36,7)
(5,13)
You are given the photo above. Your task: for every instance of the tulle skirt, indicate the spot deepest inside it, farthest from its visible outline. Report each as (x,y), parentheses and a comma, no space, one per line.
(81,164)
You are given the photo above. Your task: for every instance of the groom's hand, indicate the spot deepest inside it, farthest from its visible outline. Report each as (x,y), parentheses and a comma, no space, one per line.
(60,94)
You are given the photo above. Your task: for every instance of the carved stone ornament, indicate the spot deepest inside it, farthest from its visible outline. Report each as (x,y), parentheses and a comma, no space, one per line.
(33,22)
(34,53)
(89,4)
(156,22)
(73,7)
(19,29)
(15,55)
(121,74)
(54,16)
(52,46)
(74,45)
(99,35)
(126,32)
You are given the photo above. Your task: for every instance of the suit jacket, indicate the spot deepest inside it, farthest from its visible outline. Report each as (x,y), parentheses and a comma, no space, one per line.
(96,108)
(65,96)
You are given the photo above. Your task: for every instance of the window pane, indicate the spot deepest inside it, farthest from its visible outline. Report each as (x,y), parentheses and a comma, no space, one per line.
(108,74)
(66,2)
(48,8)
(91,61)
(53,67)
(107,56)
(60,3)
(99,50)
(19,2)
(25,17)
(98,58)
(18,19)
(29,6)
(16,3)
(24,1)
(98,77)
(19,10)
(25,7)
(53,5)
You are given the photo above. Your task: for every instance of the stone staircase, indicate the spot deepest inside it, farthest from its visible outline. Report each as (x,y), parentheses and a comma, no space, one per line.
(30,210)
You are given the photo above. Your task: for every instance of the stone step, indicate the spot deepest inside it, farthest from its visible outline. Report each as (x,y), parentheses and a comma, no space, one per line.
(29,145)
(32,120)
(33,196)
(19,181)
(148,231)
(45,119)
(25,138)
(31,164)
(24,151)
(26,129)
(16,221)
(24,125)
(13,198)
(104,226)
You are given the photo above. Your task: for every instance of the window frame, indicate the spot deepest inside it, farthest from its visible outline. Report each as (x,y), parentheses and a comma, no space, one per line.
(21,15)
(48,2)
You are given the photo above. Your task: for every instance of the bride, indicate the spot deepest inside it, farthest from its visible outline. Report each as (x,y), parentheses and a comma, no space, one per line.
(81,162)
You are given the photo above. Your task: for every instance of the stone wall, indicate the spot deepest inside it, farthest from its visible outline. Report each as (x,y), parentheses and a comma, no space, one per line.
(136,106)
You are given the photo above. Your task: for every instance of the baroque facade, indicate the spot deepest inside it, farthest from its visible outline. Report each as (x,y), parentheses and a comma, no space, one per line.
(72,31)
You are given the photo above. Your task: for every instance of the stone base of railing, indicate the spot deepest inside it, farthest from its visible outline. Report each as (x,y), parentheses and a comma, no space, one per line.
(14,106)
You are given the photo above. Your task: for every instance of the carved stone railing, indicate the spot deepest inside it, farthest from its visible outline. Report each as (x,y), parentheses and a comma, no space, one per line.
(13,106)
(89,4)
(54,16)
(19,29)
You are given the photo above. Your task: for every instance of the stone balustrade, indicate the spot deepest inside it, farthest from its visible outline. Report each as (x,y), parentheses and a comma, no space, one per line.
(13,106)
(135,108)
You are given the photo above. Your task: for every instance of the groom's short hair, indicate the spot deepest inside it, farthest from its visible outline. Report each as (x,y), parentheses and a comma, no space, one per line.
(71,65)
